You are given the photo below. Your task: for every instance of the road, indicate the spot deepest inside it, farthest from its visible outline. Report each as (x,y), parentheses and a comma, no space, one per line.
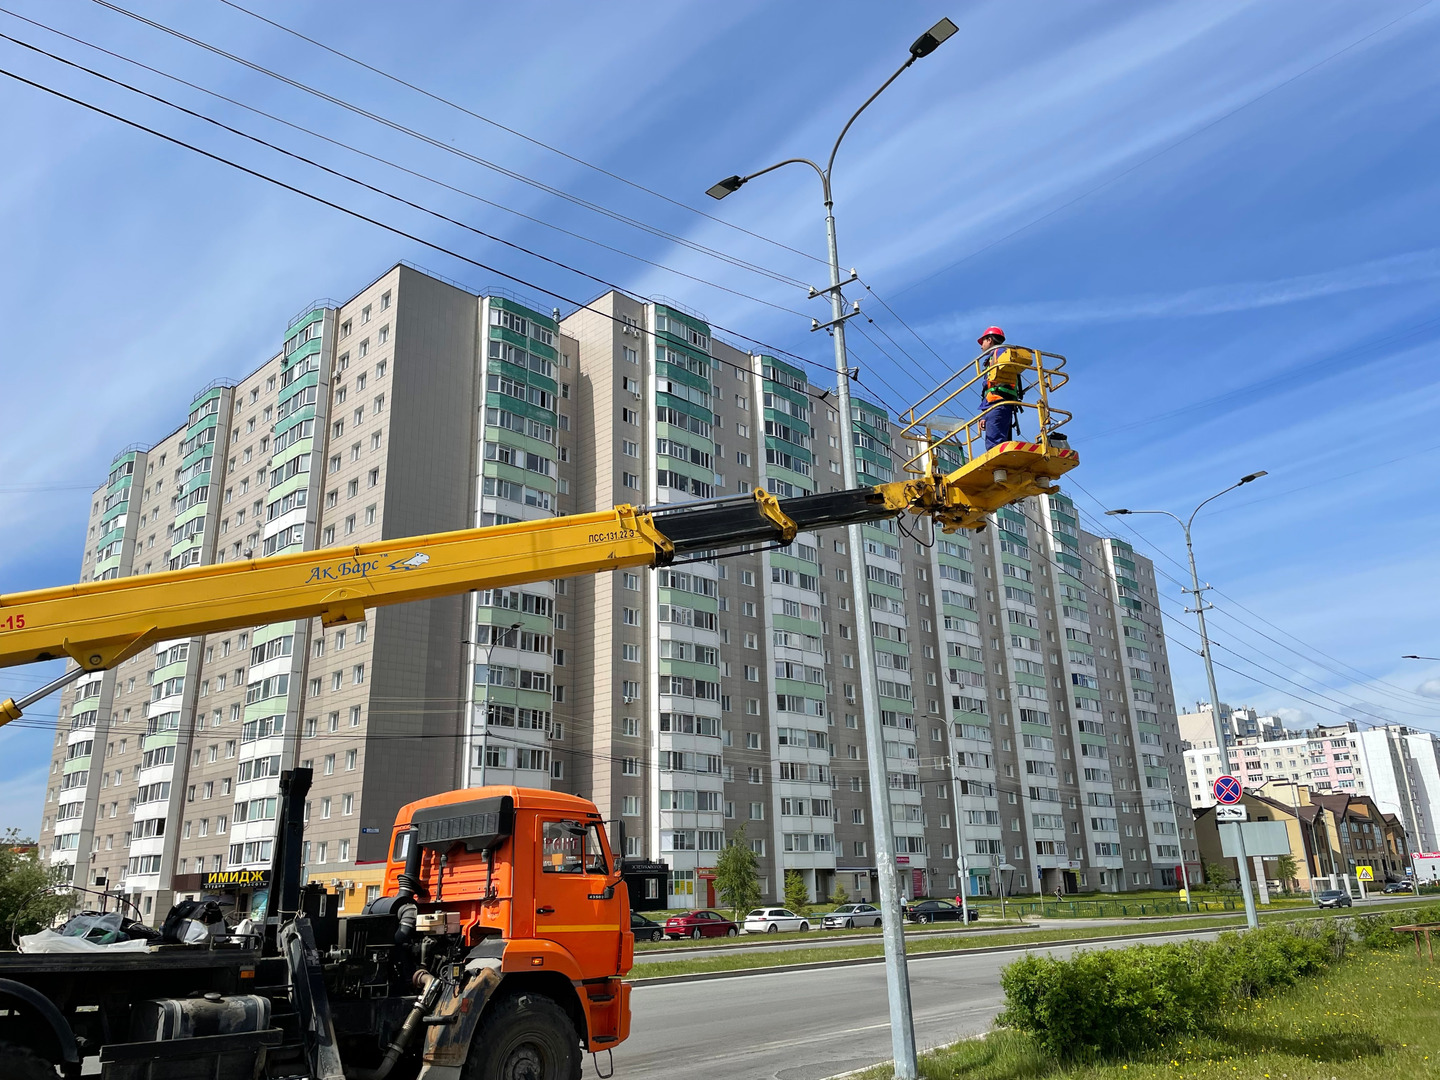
(807,1025)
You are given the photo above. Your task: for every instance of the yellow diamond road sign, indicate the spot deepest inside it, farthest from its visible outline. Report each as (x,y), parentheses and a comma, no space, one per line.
(1365,873)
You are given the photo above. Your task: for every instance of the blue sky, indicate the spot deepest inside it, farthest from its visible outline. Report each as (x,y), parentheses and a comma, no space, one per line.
(1225,214)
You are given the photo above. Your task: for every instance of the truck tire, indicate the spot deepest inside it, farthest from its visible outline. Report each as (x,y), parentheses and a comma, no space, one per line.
(22,1063)
(525,1037)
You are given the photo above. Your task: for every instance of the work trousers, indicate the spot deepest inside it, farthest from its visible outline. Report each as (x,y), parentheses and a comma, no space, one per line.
(999,425)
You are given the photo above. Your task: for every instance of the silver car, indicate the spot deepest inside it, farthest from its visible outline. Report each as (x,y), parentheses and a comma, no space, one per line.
(848,915)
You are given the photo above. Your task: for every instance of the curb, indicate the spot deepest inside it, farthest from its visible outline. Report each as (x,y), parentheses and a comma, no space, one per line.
(820,965)
(880,1064)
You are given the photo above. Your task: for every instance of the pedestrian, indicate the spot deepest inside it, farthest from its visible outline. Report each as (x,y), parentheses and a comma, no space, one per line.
(1001,393)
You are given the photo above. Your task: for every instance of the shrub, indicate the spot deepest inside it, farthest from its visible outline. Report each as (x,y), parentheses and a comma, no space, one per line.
(1105,1002)
(1260,961)
(1377,931)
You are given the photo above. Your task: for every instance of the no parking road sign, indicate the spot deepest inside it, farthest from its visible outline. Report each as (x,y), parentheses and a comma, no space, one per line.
(1228,790)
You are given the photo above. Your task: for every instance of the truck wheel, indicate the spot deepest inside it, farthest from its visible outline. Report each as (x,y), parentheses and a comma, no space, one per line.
(526,1037)
(22,1063)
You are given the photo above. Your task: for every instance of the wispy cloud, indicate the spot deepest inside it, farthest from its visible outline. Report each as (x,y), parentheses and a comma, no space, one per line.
(1409,268)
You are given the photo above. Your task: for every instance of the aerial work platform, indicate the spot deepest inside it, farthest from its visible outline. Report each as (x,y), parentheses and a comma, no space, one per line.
(985,480)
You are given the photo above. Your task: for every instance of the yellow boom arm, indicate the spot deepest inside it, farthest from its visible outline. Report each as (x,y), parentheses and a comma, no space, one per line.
(99,623)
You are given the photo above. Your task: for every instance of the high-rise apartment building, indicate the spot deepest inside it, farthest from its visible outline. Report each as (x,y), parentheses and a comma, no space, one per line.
(1032,740)
(1404,770)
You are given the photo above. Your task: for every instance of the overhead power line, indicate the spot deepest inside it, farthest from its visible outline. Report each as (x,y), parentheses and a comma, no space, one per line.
(439,144)
(518,134)
(387,162)
(1399,695)
(535,286)
(1360,705)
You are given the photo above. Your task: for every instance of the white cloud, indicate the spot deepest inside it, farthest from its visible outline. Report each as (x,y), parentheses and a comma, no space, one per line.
(1429,688)
(1405,269)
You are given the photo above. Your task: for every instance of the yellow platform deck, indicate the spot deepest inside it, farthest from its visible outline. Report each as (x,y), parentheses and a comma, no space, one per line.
(1009,471)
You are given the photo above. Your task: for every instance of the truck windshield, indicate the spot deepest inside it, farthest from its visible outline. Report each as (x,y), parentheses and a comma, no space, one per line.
(572,848)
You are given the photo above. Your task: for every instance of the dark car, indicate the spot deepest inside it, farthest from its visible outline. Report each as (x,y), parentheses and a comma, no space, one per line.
(928,911)
(1399,887)
(1333,898)
(645,929)
(698,924)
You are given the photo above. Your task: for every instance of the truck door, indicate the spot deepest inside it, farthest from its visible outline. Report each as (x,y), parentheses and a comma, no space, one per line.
(571,907)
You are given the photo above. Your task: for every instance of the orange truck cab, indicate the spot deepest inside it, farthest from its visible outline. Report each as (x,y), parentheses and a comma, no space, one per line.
(523,893)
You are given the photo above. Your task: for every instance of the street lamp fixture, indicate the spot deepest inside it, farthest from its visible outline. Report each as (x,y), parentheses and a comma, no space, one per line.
(1409,656)
(725,187)
(932,39)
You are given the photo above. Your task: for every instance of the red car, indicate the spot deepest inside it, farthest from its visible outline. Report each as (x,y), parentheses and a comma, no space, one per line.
(698,924)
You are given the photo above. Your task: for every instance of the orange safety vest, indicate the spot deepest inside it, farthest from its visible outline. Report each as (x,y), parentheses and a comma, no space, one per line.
(1001,387)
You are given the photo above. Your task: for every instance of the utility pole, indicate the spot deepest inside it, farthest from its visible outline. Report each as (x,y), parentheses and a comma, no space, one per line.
(897,982)
(1251,919)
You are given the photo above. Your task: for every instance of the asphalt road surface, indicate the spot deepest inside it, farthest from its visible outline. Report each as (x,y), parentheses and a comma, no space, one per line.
(807,1025)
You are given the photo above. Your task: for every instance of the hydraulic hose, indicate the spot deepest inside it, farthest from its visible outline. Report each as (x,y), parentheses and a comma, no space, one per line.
(429,991)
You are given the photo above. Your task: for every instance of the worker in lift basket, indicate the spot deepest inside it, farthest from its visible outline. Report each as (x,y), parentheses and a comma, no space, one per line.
(1001,394)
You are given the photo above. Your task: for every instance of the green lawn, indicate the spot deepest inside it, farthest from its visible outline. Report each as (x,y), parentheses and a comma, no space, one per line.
(731,961)
(1374,1017)
(809,935)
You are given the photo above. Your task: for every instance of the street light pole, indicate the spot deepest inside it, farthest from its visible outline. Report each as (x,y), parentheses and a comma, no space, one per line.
(1251,918)
(1184,870)
(897,983)
(963,867)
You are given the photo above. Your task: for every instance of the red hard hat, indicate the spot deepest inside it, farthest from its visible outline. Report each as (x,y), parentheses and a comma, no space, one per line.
(991,331)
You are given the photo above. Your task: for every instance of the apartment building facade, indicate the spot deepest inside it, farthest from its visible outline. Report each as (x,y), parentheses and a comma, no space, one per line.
(1330,758)
(1031,734)
(1403,765)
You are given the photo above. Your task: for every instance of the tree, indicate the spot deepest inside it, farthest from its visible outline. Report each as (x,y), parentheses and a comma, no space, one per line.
(28,900)
(1287,870)
(737,881)
(1218,875)
(838,895)
(797,893)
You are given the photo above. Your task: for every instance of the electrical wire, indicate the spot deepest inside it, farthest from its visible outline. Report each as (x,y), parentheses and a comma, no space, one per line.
(519,134)
(389,163)
(577,304)
(1408,705)
(1337,707)
(447,148)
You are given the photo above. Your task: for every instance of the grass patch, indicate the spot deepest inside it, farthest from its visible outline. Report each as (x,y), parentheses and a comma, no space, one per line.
(685,944)
(928,944)
(1374,1017)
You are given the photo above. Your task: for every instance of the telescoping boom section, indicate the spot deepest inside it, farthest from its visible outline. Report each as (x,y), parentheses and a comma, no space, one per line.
(100,623)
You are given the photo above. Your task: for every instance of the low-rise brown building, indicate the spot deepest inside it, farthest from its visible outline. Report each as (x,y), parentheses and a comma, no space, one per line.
(1331,835)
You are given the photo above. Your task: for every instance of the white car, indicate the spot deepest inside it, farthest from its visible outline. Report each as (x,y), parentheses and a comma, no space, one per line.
(772,920)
